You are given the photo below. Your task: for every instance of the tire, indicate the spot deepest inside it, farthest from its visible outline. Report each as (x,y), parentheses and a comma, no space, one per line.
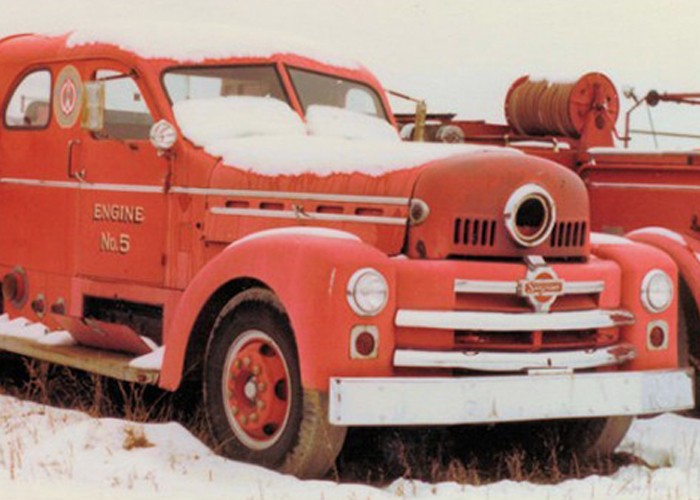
(593,438)
(689,340)
(256,408)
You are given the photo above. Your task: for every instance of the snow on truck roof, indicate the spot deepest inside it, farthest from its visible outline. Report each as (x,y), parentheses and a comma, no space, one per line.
(178,41)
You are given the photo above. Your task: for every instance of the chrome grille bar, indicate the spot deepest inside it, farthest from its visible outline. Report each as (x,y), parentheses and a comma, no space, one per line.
(502,322)
(515,361)
(511,287)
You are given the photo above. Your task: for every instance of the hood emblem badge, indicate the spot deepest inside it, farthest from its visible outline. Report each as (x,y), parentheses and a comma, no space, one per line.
(541,285)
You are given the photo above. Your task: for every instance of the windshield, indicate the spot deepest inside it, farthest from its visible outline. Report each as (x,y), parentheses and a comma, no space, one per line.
(209,82)
(318,89)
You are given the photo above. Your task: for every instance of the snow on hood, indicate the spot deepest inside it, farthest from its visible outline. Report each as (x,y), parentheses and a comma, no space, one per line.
(331,121)
(323,156)
(176,40)
(204,121)
(267,137)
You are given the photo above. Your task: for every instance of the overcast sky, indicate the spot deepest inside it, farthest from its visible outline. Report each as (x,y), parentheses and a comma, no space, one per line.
(461,55)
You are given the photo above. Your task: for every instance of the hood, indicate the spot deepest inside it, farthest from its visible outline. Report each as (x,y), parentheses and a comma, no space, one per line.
(502,206)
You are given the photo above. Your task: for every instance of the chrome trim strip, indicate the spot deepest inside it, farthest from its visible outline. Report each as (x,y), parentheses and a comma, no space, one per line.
(241,193)
(479,286)
(40,183)
(128,188)
(503,322)
(249,193)
(88,186)
(506,398)
(515,361)
(639,185)
(583,287)
(613,151)
(313,216)
(511,287)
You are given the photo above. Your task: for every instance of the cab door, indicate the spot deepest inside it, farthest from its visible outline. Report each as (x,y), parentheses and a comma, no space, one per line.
(122,200)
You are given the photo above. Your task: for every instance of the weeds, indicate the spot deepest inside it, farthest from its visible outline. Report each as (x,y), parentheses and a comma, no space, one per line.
(466,455)
(135,437)
(469,456)
(97,396)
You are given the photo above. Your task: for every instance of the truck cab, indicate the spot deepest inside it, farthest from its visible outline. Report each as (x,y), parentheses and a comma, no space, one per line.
(247,217)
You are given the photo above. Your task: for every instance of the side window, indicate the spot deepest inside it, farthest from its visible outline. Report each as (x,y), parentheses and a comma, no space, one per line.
(29,106)
(126,115)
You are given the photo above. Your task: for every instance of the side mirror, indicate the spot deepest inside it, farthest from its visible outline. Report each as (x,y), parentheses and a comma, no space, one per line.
(163,135)
(93,118)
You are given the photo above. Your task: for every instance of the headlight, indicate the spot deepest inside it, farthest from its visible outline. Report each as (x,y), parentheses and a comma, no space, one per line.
(367,292)
(657,291)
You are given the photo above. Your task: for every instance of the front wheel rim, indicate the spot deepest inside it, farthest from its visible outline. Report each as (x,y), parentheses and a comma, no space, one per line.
(256,386)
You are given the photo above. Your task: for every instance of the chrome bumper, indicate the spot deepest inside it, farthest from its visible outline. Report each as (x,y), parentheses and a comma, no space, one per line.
(491,399)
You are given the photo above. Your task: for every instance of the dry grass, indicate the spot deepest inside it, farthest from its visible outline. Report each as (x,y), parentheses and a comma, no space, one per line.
(98,396)
(135,437)
(467,455)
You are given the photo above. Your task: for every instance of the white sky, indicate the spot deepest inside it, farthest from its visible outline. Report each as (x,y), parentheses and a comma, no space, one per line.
(461,55)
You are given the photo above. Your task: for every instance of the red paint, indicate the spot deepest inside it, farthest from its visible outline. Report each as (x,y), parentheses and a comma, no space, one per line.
(177,254)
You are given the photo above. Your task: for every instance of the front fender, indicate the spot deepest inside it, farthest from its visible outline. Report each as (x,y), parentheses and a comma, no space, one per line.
(309,274)
(635,261)
(683,249)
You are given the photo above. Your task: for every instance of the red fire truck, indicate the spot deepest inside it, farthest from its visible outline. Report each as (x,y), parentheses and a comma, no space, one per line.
(646,196)
(246,217)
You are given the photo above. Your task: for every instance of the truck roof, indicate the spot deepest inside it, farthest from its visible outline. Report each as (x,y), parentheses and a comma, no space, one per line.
(174,42)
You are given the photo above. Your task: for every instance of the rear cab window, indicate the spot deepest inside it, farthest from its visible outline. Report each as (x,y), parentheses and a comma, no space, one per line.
(30,104)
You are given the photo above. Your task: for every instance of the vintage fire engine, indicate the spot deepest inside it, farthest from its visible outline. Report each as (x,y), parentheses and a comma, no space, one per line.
(648,196)
(251,221)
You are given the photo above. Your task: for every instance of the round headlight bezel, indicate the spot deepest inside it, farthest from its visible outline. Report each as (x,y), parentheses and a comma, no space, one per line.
(654,299)
(358,286)
(521,196)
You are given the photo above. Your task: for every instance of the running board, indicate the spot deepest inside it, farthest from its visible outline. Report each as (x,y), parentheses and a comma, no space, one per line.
(21,336)
(109,363)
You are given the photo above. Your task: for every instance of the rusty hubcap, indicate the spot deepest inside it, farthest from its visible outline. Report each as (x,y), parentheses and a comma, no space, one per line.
(256,389)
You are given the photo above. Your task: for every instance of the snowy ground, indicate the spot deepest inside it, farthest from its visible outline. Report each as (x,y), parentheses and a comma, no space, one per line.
(50,453)
(462,57)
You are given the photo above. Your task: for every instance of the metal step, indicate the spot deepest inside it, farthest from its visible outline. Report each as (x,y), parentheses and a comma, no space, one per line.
(21,336)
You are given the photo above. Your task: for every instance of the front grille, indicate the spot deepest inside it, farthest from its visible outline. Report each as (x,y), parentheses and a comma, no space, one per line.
(533,341)
(568,234)
(474,232)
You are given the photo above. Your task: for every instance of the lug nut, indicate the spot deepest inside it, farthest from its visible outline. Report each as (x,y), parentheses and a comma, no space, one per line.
(237,364)
(256,370)
(260,404)
(261,387)
(234,410)
(253,417)
(246,361)
(244,419)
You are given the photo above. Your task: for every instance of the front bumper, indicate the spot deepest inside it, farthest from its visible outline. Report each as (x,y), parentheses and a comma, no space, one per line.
(512,398)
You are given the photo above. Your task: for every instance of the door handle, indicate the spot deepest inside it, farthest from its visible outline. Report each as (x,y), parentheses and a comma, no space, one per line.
(80,175)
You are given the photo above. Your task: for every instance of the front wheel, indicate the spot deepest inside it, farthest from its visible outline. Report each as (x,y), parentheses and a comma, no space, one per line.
(255,405)
(689,339)
(592,438)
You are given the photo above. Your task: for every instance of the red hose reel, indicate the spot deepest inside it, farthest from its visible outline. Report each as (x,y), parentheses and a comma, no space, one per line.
(541,107)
